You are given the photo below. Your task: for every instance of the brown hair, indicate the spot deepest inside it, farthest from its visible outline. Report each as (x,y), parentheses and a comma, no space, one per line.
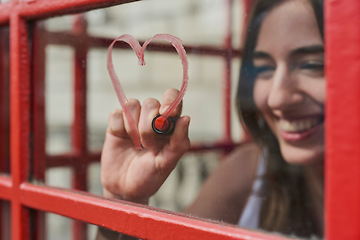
(287,206)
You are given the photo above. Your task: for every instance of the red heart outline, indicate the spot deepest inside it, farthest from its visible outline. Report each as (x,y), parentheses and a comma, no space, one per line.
(139,51)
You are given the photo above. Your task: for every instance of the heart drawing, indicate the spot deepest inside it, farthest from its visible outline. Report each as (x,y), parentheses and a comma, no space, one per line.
(139,51)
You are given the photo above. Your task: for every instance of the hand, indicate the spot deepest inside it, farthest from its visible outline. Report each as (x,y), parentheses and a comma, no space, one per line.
(136,174)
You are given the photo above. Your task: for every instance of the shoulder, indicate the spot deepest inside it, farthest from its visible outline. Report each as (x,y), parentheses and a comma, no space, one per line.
(247,153)
(238,171)
(225,192)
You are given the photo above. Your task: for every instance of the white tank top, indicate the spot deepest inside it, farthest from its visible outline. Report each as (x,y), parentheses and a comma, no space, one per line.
(250,218)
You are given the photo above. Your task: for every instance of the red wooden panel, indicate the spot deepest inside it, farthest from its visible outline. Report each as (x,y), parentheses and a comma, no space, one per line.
(343,124)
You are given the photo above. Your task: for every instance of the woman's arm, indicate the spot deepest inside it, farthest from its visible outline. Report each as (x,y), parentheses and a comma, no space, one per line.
(132,174)
(135,175)
(224,194)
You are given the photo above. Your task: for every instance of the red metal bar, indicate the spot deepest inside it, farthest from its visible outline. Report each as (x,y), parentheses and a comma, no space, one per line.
(227,74)
(132,219)
(247,5)
(5,230)
(38,102)
(5,188)
(20,123)
(79,128)
(39,123)
(70,159)
(5,10)
(68,38)
(342,198)
(4,101)
(51,8)
(3,119)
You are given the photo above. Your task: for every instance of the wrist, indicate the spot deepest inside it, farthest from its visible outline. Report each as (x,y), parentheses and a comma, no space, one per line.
(108,194)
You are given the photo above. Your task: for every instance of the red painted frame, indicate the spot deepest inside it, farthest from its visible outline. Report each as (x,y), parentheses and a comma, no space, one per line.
(342,37)
(29,200)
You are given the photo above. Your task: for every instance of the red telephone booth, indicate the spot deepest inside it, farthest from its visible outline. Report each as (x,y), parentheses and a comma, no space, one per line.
(26,199)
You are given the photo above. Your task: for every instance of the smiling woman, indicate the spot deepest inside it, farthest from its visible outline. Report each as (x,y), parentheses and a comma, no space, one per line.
(276,183)
(281,97)
(290,85)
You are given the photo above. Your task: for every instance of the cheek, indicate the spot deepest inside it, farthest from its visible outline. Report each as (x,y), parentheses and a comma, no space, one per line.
(321,91)
(261,93)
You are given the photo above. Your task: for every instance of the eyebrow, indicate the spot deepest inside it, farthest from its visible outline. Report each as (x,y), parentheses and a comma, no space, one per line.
(312,49)
(260,54)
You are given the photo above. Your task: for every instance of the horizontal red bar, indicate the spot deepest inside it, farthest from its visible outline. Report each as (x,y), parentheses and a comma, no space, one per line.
(132,219)
(50,8)
(5,188)
(5,10)
(221,145)
(70,159)
(68,38)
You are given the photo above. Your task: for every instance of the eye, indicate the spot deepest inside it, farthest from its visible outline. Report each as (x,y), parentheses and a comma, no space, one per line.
(264,71)
(312,66)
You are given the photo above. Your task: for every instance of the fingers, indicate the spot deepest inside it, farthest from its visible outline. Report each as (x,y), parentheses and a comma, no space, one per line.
(168,98)
(133,106)
(118,123)
(179,143)
(149,110)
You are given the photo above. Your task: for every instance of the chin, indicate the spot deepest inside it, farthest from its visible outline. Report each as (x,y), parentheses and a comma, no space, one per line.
(302,156)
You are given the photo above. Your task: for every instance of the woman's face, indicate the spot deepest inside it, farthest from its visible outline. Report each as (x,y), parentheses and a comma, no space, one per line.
(289,89)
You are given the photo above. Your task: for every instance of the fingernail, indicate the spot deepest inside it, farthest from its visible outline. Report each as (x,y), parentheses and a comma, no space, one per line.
(187,121)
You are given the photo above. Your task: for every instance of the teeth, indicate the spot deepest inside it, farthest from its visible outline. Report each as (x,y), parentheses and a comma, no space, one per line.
(299,125)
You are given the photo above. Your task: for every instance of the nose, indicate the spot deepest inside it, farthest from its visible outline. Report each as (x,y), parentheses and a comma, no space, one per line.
(284,91)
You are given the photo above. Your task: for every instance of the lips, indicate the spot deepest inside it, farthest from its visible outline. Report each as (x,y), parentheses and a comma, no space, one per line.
(299,129)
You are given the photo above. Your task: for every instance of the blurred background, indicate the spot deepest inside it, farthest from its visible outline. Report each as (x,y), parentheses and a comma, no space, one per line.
(211,31)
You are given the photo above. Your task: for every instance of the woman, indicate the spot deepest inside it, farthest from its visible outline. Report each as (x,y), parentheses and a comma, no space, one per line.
(275,184)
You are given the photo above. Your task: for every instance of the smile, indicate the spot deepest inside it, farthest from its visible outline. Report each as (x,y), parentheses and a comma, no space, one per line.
(299,129)
(299,125)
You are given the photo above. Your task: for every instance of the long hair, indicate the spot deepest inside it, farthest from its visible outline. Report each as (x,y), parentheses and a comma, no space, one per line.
(286,207)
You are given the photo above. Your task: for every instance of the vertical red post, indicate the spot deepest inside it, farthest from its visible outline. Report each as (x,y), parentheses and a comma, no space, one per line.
(20,118)
(4,101)
(38,101)
(39,123)
(227,78)
(247,5)
(79,129)
(342,43)
(3,117)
